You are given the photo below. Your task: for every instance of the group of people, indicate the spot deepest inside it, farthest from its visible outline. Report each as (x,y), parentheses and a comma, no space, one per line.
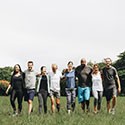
(89,79)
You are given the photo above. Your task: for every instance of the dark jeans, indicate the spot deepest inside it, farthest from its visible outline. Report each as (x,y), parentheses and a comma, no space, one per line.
(42,95)
(29,94)
(19,95)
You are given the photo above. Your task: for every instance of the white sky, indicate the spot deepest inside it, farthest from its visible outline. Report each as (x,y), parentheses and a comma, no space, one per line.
(57,31)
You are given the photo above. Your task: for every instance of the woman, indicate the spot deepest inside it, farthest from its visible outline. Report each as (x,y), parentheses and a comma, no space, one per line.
(70,87)
(97,88)
(43,89)
(17,82)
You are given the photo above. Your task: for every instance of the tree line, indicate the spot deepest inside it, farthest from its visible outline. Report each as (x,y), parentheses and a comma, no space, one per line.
(119,64)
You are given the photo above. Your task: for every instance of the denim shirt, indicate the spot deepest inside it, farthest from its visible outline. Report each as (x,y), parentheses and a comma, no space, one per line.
(70,79)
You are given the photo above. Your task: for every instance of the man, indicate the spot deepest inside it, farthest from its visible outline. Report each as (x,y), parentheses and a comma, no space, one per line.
(110,76)
(30,81)
(83,73)
(55,76)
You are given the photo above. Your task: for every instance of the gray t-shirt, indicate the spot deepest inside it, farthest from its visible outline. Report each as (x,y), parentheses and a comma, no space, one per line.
(109,77)
(84,76)
(30,79)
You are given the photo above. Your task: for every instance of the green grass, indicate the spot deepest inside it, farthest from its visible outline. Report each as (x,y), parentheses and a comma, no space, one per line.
(62,118)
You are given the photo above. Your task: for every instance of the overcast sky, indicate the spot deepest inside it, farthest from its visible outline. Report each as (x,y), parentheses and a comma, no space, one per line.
(57,31)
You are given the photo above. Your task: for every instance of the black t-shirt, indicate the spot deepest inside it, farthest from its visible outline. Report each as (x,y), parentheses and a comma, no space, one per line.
(109,77)
(17,82)
(84,76)
(43,83)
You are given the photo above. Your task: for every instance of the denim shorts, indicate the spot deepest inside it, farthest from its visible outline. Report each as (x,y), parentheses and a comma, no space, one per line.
(29,94)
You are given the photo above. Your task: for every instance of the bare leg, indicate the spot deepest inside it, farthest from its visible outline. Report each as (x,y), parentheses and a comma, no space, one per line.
(113,102)
(58,104)
(108,107)
(52,104)
(87,103)
(83,106)
(29,106)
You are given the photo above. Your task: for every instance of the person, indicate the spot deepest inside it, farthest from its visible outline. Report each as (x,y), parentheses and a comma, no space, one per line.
(43,89)
(30,81)
(17,83)
(70,87)
(97,88)
(110,76)
(83,73)
(55,77)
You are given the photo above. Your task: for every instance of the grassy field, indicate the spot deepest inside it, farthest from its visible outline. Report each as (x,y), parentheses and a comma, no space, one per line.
(62,118)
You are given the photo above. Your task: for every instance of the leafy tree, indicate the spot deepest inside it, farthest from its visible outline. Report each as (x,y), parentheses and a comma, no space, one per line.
(101,65)
(90,63)
(5,73)
(120,65)
(5,76)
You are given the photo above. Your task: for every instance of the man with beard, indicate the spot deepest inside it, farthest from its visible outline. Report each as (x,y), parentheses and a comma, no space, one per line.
(83,73)
(111,78)
(55,75)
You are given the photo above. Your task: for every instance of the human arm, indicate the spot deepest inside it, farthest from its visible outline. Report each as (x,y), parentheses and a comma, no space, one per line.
(62,75)
(9,84)
(8,89)
(102,76)
(118,82)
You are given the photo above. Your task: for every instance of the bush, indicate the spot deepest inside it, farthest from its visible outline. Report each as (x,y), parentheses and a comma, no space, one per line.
(3,86)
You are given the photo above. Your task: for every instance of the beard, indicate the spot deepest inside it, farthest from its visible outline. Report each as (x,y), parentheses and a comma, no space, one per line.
(82,65)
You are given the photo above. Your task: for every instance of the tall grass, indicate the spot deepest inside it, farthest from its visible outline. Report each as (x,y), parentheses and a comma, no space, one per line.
(62,118)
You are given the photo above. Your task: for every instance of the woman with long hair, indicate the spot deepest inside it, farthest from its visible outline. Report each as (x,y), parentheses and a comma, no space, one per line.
(43,89)
(97,88)
(17,82)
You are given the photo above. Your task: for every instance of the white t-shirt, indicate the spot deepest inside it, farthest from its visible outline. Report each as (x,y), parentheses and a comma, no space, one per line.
(55,80)
(97,82)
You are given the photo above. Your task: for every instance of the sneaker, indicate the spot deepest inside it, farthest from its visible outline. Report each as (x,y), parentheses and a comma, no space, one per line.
(88,110)
(113,111)
(95,112)
(19,112)
(15,113)
(68,112)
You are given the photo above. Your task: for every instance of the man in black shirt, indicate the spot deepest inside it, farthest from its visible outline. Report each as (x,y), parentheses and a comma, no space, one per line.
(110,77)
(83,73)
